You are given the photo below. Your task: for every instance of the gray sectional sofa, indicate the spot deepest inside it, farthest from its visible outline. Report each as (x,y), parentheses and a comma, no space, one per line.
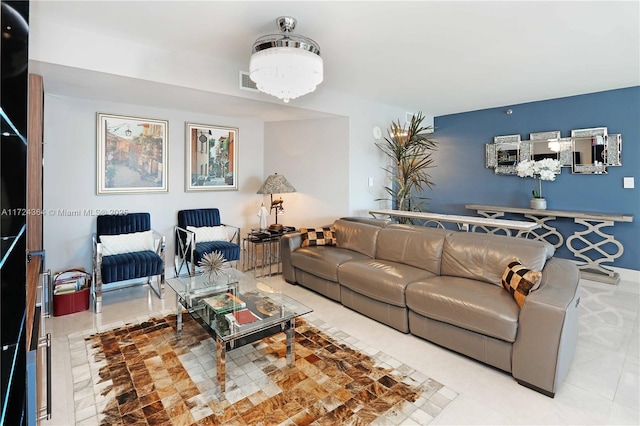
(445,287)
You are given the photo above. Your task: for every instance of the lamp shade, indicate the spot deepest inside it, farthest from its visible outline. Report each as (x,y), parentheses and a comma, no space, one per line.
(286,65)
(276,184)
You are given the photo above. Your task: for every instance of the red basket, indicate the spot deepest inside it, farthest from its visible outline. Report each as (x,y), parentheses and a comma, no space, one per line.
(64,304)
(76,301)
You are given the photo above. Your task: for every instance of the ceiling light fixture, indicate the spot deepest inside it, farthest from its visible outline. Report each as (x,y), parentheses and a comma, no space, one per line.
(286,65)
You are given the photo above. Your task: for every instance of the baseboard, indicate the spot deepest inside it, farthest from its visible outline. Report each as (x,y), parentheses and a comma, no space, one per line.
(627,274)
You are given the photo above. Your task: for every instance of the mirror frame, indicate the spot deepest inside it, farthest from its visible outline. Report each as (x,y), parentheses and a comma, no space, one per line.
(492,156)
(525,150)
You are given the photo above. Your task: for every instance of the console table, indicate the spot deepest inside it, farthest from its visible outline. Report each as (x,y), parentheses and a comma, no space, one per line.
(462,222)
(583,248)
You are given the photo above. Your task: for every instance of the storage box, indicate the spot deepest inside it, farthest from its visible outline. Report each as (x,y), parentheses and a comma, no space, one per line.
(71,291)
(70,303)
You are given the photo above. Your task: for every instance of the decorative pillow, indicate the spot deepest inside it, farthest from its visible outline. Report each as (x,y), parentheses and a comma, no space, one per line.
(127,243)
(317,237)
(210,233)
(520,281)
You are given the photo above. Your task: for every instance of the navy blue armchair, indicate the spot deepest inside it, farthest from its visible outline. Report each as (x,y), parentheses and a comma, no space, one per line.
(200,232)
(126,248)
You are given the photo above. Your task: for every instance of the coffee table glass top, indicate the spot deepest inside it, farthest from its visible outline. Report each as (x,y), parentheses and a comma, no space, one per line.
(234,304)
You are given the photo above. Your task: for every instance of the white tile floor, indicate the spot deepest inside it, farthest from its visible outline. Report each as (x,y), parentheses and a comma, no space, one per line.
(602,386)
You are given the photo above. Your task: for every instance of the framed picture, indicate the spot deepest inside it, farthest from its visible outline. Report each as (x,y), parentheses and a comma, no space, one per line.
(211,158)
(132,154)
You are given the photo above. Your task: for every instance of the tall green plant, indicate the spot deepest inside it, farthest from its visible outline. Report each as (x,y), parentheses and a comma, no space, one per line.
(409,150)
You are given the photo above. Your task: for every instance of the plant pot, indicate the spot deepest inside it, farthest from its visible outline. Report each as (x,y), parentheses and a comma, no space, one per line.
(538,203)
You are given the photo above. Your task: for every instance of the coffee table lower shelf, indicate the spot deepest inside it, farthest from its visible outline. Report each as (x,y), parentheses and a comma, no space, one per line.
(222,346)
(275,313)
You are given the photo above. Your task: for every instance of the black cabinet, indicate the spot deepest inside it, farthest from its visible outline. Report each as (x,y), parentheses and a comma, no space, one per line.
(13,157)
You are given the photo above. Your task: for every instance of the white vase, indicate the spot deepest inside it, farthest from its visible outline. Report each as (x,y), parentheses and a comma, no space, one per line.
(538,203)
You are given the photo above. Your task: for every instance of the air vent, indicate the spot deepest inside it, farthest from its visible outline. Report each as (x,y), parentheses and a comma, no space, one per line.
(246,83)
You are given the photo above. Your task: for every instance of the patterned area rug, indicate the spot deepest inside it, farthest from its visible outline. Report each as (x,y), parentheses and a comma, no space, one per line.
(146,374)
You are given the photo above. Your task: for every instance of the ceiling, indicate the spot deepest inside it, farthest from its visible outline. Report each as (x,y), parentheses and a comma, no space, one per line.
(439,57)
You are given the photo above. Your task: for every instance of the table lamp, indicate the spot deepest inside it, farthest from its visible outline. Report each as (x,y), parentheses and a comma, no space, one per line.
(276,184)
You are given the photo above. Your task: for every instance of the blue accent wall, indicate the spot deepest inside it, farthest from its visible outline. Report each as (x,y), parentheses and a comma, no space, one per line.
(461,178)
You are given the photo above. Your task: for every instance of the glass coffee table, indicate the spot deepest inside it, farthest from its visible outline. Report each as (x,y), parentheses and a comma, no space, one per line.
(236,310)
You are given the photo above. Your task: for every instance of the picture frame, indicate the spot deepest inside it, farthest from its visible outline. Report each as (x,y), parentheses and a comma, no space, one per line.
(132,154)
(211,154)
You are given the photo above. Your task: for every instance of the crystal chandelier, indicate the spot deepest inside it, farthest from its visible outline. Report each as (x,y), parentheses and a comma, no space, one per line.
(285,65)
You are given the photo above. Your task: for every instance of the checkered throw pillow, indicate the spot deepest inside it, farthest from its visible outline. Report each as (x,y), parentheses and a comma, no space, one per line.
(318,237)
(520,281)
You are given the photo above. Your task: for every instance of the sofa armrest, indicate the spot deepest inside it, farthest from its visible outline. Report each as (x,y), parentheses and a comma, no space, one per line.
(288,244)
(548,328)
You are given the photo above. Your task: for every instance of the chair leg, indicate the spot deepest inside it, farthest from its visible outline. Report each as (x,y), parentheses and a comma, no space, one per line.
(160,282)
(96,287)
(161,285)
(179,263)
(97,295)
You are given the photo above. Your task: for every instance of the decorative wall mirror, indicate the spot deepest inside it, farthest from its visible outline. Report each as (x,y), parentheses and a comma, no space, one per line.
(589,155)
(502,155)
(547,145)
(587,151)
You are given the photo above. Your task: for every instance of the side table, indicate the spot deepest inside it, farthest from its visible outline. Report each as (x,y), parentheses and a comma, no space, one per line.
(262,249)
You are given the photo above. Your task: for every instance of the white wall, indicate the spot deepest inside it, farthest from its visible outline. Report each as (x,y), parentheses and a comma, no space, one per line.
(70,177)
(314,157)
(346,143)
(56,44)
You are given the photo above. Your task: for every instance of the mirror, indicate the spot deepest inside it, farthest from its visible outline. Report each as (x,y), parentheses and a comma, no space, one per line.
(503,155)
(556,148)
(589,155)
(587,151)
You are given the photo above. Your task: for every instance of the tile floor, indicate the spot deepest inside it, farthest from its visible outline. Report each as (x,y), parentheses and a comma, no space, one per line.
(602,386)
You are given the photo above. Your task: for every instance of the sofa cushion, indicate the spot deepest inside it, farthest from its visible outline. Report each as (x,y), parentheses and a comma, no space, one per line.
(412,245)
(357,236)
(519,281)
(317,237)
(483,257)
(380,280)
(323,261)
(466,303)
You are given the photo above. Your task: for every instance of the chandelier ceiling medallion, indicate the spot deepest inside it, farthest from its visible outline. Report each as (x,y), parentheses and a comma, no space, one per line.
(286,65)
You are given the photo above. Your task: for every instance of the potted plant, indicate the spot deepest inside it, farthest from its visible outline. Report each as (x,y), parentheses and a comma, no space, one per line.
(409,150)
(545,169)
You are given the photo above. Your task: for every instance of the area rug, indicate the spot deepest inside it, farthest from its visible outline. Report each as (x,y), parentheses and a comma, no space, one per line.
(145,373)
